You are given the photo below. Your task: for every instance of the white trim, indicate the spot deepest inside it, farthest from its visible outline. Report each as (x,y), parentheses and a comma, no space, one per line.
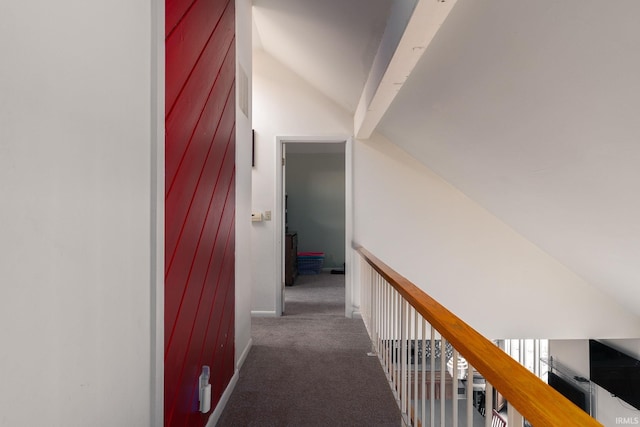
(348,231)
(244,354)
(410,29)
(278,217)
(156,229)
(224,399)
(255,313)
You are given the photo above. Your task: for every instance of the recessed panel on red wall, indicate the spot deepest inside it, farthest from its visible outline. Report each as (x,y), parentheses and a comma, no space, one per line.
(199,203)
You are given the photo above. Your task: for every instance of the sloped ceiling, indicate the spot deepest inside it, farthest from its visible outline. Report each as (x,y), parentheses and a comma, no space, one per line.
(532,109)
(329,43)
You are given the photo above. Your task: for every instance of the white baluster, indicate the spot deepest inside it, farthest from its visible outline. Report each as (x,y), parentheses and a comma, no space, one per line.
(394,346)
(454,406)
(388,332)
(423,400)
(443,370)
(469,395)
(387,329)
(415,366)
(514,418)
(398,355)
(403,361)
(488,404)
(432,385)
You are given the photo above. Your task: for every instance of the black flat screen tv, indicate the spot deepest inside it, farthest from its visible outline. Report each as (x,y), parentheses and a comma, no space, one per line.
(568,390)
(615,371)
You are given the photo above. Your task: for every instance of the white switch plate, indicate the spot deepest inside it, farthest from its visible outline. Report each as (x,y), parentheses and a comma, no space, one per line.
(267,215)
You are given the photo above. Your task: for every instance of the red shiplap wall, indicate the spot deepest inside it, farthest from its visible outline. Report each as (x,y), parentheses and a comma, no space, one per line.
(199,203)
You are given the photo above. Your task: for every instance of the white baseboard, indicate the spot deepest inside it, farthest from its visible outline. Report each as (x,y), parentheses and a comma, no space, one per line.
(215,415)
(356,315)
(263,314)
(244,354)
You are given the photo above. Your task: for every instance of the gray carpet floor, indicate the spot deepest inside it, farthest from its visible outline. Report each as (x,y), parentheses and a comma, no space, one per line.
(310,367)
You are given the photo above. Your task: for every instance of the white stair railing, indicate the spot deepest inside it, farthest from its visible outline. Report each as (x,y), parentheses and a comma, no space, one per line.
(427,354)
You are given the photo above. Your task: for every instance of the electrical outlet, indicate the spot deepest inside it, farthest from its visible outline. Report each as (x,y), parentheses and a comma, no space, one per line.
(267,215)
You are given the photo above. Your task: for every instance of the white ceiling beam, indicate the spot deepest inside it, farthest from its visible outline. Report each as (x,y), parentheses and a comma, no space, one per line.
(411,26)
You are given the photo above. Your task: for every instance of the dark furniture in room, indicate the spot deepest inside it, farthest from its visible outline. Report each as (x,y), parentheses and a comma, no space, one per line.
(290,258)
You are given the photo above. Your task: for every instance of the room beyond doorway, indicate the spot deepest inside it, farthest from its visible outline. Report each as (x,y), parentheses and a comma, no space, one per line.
(314,209)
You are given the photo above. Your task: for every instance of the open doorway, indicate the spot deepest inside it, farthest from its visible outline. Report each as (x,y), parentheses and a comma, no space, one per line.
(315,222)
(314,190)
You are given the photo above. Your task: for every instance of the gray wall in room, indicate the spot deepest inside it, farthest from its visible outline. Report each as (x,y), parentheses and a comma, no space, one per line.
(315,185)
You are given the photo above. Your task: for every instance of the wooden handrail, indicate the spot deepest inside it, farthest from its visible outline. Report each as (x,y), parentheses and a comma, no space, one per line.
(539,403)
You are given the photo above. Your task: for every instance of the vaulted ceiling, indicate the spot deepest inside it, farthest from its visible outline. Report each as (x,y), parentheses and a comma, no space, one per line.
(530,108)
(330,43)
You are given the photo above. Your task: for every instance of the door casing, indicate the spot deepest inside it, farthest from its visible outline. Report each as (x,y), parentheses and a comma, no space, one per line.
(350,308)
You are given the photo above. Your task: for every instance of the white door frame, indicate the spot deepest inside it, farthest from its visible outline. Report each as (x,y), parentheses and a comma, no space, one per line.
(156,211)
(348,205)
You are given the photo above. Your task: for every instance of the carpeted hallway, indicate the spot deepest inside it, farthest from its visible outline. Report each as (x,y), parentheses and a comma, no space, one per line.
(310,367)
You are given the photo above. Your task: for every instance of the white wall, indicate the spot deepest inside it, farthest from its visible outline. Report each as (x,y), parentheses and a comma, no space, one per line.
(78,115)
(467,259)
(422,226)
(316,204)
(283,105)
(575,355)
(243,186)
(530,108)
